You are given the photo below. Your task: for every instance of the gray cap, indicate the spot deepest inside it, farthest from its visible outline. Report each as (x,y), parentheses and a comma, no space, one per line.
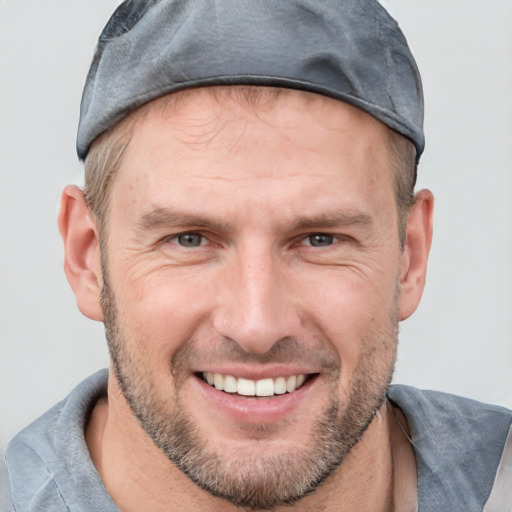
(351,50)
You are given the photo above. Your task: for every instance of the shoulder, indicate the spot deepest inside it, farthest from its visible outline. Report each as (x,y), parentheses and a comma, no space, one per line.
(458,443)
(47,455)
(444,409)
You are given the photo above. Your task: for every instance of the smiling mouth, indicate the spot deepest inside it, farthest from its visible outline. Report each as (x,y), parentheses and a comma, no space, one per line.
(256,388)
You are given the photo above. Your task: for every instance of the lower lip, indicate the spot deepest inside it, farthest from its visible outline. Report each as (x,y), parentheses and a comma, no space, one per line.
(257,410)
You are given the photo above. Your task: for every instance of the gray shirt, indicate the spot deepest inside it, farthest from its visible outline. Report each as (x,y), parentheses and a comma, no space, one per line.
(463,456)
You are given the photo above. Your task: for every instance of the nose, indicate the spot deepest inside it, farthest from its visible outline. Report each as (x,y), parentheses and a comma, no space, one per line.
(255,308)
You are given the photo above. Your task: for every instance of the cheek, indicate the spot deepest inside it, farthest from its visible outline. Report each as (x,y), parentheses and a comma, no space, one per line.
(162,310)
(355,313)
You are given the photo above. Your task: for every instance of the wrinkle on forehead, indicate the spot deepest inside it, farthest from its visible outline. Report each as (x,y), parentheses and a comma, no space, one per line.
(201,127)
(282,176)
(230,108)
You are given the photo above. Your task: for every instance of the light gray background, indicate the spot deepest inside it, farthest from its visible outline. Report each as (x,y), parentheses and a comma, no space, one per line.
(460,339)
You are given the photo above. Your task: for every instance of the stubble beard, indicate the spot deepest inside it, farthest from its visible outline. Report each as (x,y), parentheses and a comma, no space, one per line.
(257,479)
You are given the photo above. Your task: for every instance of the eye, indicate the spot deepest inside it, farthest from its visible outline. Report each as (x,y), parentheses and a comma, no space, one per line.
(319,240)
(189,240)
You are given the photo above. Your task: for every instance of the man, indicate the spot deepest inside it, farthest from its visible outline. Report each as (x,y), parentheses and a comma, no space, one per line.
(249,236)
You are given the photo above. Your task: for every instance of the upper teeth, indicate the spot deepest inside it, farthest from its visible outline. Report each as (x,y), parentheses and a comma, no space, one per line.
(247,387)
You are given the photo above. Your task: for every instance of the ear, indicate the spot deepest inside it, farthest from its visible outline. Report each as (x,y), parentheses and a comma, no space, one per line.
(415,254)
(82,262)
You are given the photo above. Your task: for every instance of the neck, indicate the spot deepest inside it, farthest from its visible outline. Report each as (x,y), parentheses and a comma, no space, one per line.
(377,475)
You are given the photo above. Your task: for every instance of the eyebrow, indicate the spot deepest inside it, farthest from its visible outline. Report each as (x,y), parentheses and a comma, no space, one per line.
(164,217)
(334,220)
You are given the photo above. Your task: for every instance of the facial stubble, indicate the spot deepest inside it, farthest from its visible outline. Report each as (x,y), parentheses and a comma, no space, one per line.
(255,479)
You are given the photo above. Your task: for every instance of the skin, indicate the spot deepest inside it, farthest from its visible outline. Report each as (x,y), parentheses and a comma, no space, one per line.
(255,182)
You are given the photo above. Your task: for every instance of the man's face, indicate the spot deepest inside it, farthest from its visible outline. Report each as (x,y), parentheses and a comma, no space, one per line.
(257,243)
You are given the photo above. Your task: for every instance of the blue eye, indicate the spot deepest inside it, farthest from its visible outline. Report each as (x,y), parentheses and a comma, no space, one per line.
(189,240)
(320,240)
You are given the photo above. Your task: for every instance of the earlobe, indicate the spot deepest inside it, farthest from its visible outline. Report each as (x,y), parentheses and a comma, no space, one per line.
(415,253)
(82,263)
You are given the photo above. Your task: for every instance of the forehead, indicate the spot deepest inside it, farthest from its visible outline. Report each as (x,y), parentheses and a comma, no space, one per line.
(220,103)
(202,117)
(253,137)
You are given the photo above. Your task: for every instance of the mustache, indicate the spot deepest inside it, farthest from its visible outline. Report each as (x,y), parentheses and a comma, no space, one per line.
(315,352)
